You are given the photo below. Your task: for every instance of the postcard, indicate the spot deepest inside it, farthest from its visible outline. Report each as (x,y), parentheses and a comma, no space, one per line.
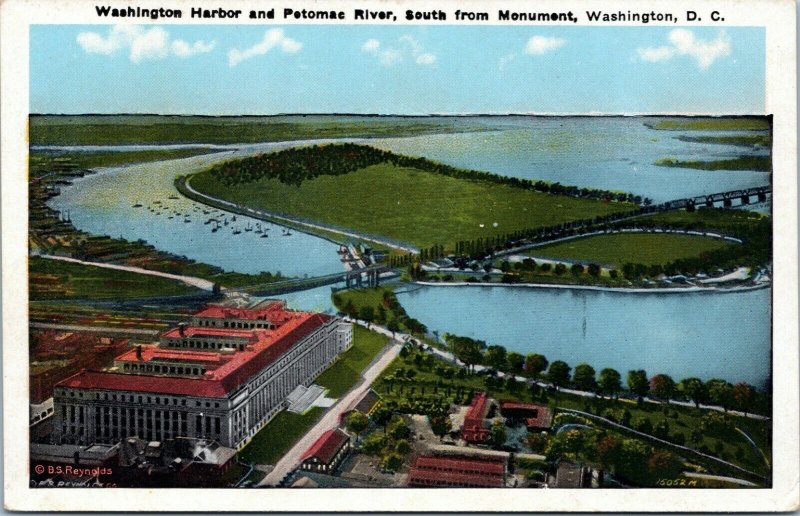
(399,256)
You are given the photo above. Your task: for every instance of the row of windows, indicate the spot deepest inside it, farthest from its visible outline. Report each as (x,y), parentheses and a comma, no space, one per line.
(158,400)
(203,344)
(163,369)
(235,324)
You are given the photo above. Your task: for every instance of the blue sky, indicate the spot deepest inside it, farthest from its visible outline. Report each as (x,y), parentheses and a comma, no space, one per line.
(248,69)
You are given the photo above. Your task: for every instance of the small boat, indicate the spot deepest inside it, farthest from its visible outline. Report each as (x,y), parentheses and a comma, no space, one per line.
(226,222)
(209,221)
(156,202)
(236,231)
(173,197)
(187,220)
(265,235)
(170,217)
(137,205)
(233,219)
(258,232)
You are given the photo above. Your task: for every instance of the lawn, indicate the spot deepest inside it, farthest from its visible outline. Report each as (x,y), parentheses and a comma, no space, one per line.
(409,205)
(275,439)
(346,372)
(53,279)
(618,249)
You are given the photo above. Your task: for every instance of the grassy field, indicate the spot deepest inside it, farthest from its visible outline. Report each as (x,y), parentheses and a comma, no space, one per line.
(135,129)
(644,248)
(409,205)
(279,435)
(712,124)
(53,279)
(759,163)
(345,373)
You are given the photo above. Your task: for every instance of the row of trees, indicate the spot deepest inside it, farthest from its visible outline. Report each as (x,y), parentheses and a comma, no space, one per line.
(608,382)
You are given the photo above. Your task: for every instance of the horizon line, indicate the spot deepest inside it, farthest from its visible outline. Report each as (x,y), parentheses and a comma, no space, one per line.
(420,115)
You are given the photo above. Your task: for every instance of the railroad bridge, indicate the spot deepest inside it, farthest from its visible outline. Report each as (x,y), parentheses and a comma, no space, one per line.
(723,199)
(357,278)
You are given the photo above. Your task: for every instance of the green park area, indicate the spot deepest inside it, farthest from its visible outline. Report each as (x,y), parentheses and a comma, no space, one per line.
(280,434)
(417,382)
(403,203)
(55,279)
(618,249)
(346,372)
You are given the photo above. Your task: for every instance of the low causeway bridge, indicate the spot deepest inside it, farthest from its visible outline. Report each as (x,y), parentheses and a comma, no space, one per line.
(365,277)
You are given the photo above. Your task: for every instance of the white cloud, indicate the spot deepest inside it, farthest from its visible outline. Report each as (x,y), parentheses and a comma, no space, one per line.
(272,38)
(504,60)
(390,55)
(683,42)
(539,45)
(141,43)
(426,59)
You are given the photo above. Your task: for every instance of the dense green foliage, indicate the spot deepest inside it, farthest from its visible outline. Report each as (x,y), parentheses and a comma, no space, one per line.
(759,163)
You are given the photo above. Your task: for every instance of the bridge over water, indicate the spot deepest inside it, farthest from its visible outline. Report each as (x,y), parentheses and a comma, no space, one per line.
(365,277)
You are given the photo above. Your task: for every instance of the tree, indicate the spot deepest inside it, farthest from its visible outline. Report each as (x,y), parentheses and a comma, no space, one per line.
(393,326)
(402,447)
(469,351)
(535,364)
(637,383)
(392,462)
(576,269)
(610,381)
(515,362)
(662,386)
(357,422)
(720,393)
(693,389)
(381,417)
(496,357)
(594,269)
(373,444)
(558,373)
(398,429)
(441,425)
(366,313)
(664,464)
(560,269)
(583,378)
(497,435)
(609,450)
(743,394)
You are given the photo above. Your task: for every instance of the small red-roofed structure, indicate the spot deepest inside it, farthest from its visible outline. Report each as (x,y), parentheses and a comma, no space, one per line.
(535,416)
(327,452)
(474,430)
(433,471)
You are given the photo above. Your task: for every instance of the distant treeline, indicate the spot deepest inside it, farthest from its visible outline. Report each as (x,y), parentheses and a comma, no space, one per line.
(293,166)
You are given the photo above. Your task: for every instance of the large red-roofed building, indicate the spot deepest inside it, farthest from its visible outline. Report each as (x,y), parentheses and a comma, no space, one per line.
(325,454)
(475,430)
(223,378)
(432,471)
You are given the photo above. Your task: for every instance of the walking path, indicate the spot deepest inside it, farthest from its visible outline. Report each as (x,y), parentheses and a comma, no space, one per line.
(732,480)
(331,418)
(192,281)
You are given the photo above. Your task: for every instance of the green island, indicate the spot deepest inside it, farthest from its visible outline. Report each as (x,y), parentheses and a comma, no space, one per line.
(750,123)
(742,140)
(757,163)
(618,249)
(143,129)
(407,199)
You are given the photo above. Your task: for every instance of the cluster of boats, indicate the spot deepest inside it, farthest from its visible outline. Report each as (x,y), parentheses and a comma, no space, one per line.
(217,218)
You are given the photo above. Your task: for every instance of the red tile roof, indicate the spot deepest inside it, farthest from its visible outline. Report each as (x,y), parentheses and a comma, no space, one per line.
(327,446)
(430,471)
(473,430)
(274,312)
(197,331)
(155,353)
(233,371)
(536,416)
(478,407)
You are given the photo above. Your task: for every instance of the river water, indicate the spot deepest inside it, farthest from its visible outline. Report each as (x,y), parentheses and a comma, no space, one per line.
(702,334)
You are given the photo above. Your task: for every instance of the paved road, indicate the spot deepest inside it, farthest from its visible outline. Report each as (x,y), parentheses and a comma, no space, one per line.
(192,281)
(331,418)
